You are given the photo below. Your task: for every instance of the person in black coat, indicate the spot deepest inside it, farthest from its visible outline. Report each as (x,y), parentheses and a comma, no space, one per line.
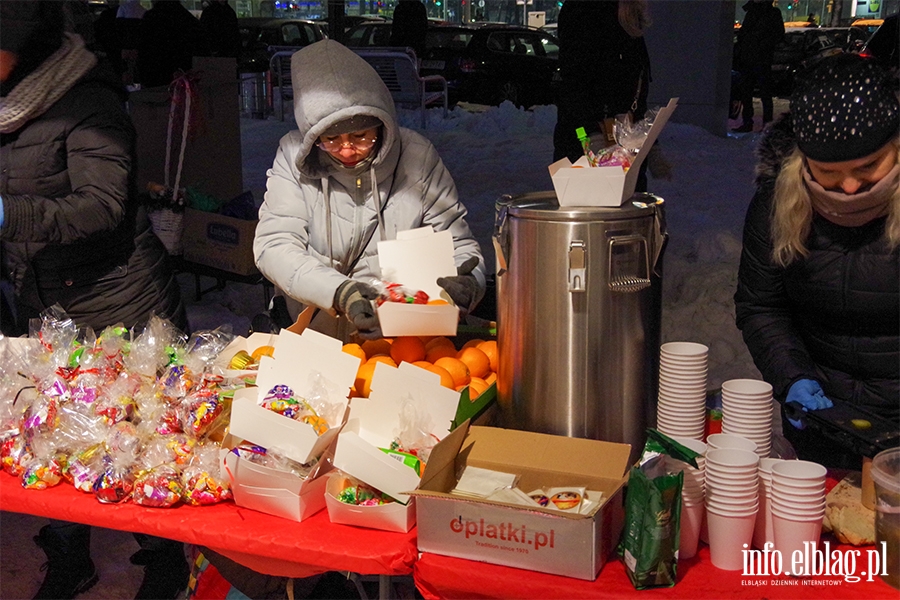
(71,231)
(409,26)
(221,25)
(170,38)
(760,32)
(818,294)
(605,68)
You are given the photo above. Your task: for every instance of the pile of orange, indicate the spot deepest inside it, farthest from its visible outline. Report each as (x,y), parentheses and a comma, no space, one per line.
(473,366)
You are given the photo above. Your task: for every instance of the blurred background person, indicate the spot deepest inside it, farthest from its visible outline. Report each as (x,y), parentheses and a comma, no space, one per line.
(605,69)
(409,25)
(761,30)
(818,294)
(72,232)
(170,38)
(221,25)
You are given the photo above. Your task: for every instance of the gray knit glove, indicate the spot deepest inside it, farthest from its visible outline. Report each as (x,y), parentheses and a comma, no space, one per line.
(354,299)
(463,288)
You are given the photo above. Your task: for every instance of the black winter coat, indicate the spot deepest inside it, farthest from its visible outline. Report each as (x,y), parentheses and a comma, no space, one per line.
(759,35)
(604,71)
(832,316)
(72,232)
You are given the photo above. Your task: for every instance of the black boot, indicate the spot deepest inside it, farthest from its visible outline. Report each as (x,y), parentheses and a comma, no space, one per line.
(70,570)
(747,127)
(166,570)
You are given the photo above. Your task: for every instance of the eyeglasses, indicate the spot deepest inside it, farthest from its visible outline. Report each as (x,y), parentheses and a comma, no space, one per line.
(360,140)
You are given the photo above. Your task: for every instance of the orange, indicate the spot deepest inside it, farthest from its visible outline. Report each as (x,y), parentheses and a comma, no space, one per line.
(477,387)
(382,358)
(363,382)
(491,378)
(458,370)
(490,348)
(373,347)
(439,340)
(262,351)
(407,349)
(473,343)
(355,350)
(439,351)
(437,302)
(446,379)
(478,362)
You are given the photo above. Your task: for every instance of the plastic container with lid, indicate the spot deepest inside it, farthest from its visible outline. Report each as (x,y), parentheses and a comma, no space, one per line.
(886,475)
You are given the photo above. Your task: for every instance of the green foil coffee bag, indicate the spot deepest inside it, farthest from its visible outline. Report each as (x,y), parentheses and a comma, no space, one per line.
(650,538)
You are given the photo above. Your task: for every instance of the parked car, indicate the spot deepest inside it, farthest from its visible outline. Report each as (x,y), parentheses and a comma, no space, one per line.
(884,46)
(512,63)
(261,37)
(870,25)
(849,39)
(368,34)
(797,50)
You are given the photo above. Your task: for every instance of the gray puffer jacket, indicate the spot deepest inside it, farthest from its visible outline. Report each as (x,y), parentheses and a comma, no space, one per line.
(320,224)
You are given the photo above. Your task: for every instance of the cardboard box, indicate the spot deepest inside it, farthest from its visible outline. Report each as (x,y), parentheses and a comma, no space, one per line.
(248,345)
(275,492)
(212,158)
(388,517)
(579,184)
(297,360)
(373,423)
(220,242)
(537,539)
(416,259)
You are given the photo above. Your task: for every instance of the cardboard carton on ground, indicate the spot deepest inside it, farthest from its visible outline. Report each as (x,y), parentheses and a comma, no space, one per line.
(416,259)
(296,362)
(393,516)
(275,492)
(219,241)
(537,539)
(579,184)
(374,422)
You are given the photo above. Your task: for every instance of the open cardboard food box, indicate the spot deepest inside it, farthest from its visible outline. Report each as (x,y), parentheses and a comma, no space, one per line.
(415,260)
(579,184)
(538,539)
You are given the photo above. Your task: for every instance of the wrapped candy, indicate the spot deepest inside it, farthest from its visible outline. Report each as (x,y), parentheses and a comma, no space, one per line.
(158,487)
(395,292)
(14,453)
(41,473)
(202,479)
(115,482)
(358,493)
(84,467)
(201,412)
(260,456)
(413,436)
(204,346)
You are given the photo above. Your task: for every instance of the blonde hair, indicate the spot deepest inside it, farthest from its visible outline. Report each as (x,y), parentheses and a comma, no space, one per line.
(792,212)
(634,17)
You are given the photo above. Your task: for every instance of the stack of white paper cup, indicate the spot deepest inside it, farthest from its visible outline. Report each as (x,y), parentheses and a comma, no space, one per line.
(724,441)
(763,532)
(683,370)
(797,503)
(693,493)
(747,411)
(732,482)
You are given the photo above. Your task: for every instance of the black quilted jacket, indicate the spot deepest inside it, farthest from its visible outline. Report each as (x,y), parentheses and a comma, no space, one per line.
(72,233)
(833,316)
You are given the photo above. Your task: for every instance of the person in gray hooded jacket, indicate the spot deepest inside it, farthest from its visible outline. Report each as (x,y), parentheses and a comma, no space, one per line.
(348,177)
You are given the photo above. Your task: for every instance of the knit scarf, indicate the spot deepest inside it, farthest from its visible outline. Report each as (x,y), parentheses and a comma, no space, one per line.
(35,94)
(854,210)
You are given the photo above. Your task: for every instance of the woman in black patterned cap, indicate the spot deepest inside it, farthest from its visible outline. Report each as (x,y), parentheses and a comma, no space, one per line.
(818,296)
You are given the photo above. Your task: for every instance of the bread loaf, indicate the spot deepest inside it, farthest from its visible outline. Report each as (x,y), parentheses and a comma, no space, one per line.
(845,516)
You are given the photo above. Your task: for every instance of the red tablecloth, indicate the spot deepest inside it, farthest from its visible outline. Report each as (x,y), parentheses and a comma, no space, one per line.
(445,577)
(262,542)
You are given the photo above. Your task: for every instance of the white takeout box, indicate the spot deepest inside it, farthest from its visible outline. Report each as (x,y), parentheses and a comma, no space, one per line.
(415,260)
(275,492)
(374,422)
(393,516)
(579,184)
(248,345)
(296,359)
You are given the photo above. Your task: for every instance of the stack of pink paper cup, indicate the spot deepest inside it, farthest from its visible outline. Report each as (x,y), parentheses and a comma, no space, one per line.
(797,503)
(693,493)
(747,411)
(683,369)
(732,482)
(764,532)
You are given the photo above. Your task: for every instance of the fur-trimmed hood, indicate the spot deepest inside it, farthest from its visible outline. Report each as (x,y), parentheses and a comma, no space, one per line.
(778,142)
